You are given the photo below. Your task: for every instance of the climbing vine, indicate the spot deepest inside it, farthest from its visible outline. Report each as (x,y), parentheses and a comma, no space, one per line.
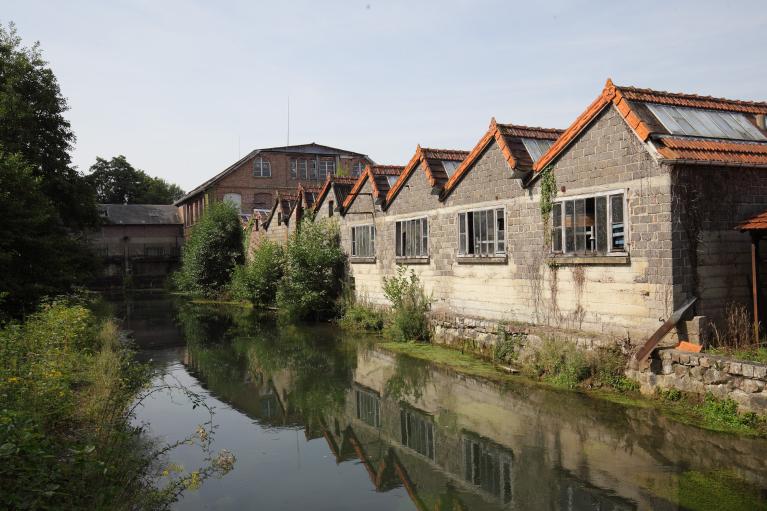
(548,194)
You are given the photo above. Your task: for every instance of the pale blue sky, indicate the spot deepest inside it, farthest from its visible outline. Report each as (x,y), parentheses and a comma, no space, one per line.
(178,86)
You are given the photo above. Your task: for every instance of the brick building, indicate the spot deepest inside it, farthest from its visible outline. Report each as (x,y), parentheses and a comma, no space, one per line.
(252,181)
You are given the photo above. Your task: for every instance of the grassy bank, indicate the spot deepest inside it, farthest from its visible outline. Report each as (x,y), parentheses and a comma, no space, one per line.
(705,412)
(68,385)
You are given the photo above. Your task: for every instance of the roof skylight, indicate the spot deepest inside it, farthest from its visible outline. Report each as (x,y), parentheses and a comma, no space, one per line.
(450,166)
(697,122)
(536,147)
(391,180)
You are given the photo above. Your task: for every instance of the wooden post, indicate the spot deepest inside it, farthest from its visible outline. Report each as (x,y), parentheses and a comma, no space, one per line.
(755,281)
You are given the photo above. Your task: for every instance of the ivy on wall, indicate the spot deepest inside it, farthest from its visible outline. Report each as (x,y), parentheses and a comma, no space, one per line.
(548,194)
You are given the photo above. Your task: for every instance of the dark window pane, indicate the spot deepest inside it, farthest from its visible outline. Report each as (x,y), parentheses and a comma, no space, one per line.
(462,233)
(617,226)
(556,228)
(501,224)
(569,226)
(601,227)
(580,226)
(591,240)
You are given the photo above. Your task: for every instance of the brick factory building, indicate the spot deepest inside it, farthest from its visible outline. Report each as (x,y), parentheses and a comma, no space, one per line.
(252,181)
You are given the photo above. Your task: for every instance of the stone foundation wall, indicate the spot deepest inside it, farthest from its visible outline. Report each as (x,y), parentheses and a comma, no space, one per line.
(481,335)
(701,373)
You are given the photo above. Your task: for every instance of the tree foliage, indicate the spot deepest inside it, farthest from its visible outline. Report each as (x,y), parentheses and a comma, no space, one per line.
(256,281)
(33,126)
(314,270)
(212,252)
(116,181)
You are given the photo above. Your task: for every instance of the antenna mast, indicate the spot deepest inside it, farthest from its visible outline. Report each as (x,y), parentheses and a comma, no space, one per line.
(288,144)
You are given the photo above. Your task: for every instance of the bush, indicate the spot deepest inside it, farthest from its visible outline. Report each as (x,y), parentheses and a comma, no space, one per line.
(410,306)
(607,369)
(314,269)
(212,251)
(362,317)
(256,281)
(561,363)
(506,349)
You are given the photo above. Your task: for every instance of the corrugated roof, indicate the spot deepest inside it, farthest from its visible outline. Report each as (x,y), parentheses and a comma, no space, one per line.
(140,214)
(509,139)
(632,103)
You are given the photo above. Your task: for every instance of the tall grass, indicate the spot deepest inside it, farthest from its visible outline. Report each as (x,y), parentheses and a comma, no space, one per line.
(409,319)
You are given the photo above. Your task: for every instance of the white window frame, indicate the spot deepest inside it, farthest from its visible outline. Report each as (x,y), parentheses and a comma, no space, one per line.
(500,246)
(357,169)
(400,228)
(358,242)
(262,167)
(608,194)
(325,168)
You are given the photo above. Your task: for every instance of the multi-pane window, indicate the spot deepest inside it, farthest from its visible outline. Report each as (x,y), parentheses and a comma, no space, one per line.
(368,407)
(589,225)
(357,168)
(482,232)
(488,466)
(327,167)
(412,238)
(262,168)
(363,241)
(298,169)
(417,432)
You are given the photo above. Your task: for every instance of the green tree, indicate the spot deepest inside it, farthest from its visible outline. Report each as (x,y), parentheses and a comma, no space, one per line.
(212,252)
(33,126)
(314,272)
(38,255)
(257,280)
(116,181)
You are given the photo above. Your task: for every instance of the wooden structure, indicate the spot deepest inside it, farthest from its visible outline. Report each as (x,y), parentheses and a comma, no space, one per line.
(665,328)
(756,227)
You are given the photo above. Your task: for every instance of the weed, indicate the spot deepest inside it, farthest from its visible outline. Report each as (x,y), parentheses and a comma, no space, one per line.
(508,345)
(738,329)
(561,363)
(410,306)
(362,317)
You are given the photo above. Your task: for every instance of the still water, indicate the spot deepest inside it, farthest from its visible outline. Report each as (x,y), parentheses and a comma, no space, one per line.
(324,421)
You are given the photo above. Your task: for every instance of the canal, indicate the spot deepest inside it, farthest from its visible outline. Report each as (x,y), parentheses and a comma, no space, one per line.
(322,420)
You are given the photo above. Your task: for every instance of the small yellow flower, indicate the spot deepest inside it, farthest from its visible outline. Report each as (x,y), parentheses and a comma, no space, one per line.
(13,379)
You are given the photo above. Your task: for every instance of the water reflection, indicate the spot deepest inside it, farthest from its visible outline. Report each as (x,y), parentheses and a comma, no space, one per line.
(426,438)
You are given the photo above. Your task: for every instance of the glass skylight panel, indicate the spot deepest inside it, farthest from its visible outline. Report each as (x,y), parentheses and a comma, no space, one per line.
(450,166)
(392,180)
(698,122)
(536,147)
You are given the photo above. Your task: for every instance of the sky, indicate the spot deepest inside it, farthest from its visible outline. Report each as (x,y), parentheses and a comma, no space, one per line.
(184,88)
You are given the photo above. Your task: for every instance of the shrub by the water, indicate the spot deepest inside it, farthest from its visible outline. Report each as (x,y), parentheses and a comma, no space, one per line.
(409,319)
(314,269)
(212,251)
(256,281)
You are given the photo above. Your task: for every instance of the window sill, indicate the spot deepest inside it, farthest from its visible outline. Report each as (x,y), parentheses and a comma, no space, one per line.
(362,260)
(464,259)
(411,260)
(594,260)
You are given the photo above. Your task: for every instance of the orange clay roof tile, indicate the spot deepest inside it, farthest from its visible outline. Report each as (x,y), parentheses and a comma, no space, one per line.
(629,102)
(755,223)
(422,156)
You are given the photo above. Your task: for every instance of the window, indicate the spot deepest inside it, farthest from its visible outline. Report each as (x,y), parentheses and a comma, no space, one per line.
(488,466)
(412,238)
(705,123)
(417,432)
(298,169)
(536,147)
(357,168)
(154,251)
(330,208)
(368,407)
(235,199)
(262,168)
(482,232)
(312,170)
(589,225)
(391,180)
(363,241)
(450,166)
(327,167)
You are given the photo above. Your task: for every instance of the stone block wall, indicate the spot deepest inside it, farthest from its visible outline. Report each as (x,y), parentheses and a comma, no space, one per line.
(702,373)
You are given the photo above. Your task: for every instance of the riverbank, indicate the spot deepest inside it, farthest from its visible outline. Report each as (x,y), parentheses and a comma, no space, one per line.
(704,412)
